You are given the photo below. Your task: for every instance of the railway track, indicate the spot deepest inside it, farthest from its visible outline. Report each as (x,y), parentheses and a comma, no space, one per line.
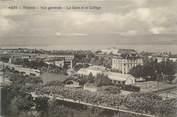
(93,105)
(165,90)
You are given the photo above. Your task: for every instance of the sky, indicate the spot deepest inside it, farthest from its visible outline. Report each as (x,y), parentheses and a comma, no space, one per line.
(116,22)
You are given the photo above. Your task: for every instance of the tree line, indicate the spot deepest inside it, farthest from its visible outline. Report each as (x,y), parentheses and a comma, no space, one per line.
(152,70)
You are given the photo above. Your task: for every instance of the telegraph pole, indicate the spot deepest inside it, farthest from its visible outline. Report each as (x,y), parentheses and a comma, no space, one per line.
(157,78)
(157,82)
(3,70)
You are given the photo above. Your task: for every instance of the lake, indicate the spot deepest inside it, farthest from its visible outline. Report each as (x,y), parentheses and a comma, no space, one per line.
(48,77)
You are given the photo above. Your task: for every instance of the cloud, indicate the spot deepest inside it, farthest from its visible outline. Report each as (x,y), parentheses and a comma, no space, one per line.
(76,34)
(115,19)
(70,34)
(153,3)
(140,18)
(157,30)
(5,24)
(58,34)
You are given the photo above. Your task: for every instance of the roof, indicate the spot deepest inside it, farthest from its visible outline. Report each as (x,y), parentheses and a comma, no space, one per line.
(97,68)
(127,51)
(118,76)
(91,69)
(111,75)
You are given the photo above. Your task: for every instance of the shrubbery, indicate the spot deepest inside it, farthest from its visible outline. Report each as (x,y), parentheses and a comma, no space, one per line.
(85,96)
(130,88)
(16,99)
(151,103)
(166,108)
(139,102)
(110,90)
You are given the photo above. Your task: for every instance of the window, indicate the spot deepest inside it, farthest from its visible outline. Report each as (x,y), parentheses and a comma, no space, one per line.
(114,82)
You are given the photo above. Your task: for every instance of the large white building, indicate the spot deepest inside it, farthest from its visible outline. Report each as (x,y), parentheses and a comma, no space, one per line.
(116,78)
(124,65)
(126,60)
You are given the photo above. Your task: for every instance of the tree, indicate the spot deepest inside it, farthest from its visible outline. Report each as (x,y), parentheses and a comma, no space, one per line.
(152,69)
(24,103)
(41,104)
(102,80)
(148,69)
(4,58)
(137,71)
(167,67)
(90,78)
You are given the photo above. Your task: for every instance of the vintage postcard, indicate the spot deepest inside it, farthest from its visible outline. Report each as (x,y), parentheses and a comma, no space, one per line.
(88,58)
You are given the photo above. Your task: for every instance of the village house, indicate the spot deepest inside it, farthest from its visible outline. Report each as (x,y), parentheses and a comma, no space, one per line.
(72,83)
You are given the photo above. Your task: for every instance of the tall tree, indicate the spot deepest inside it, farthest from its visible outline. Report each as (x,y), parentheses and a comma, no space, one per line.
(154,69)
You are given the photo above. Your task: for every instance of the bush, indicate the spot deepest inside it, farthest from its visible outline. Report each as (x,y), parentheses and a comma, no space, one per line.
(142,102)
(102,80)
(104,99)
(130,88)
(166,108)
(110,89)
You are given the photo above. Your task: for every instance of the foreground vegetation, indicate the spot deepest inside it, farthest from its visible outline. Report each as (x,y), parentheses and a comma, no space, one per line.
(138,102)
(19,103)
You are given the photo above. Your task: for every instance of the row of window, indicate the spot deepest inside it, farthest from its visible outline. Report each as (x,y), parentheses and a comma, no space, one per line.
(129,66)
(118,82)
(137,61)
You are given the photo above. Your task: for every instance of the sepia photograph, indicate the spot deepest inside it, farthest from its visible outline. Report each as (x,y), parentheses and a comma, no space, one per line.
(88,58)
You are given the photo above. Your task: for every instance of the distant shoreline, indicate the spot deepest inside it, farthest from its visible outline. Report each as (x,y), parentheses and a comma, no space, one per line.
(139,48)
